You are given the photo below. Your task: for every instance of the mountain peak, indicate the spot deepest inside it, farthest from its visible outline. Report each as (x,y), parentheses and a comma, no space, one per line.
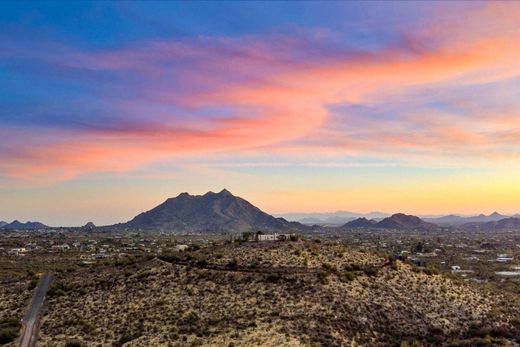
(211,212)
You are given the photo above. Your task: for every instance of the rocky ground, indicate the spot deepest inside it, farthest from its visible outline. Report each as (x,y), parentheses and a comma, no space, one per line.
(272,294)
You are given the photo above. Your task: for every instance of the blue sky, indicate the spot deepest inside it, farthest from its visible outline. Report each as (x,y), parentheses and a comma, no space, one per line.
(112,107)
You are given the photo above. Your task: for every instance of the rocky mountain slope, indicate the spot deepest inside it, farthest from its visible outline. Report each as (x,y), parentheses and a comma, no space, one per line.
(211,212)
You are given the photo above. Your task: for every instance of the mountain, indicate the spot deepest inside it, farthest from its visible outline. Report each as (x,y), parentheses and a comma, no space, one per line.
(403,221)
(25,226)
(360,223)
(211,212)
(331,218)
(512,223)
(455,220)
(2,224)
(89,226)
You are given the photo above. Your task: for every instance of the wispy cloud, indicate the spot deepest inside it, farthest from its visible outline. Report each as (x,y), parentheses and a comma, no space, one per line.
(156,100)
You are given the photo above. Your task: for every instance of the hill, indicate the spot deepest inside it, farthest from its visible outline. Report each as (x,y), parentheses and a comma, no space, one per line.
(512,223)
(283,294)
(25,226)
(2,223)
(211,212)
(403,221)
(360,223)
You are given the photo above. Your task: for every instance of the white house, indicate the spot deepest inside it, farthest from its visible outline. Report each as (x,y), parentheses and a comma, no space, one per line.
(17,251)
(504,258)
(272,237)
(181,248)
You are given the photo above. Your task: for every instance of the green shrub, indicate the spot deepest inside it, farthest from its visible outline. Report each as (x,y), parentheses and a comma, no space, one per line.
(371,272)
(73,343)
(348,276)
(232,264)
(8,334)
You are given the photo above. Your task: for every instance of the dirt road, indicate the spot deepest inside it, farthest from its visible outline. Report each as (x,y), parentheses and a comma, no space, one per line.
(31,319)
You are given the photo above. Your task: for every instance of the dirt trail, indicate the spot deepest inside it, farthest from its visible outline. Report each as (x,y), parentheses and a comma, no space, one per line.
(32,318)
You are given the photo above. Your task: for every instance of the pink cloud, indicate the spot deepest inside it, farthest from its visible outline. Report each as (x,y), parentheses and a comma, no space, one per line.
(277,98)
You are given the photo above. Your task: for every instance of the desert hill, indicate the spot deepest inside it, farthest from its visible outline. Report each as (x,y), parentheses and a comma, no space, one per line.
(403,221)
(360,223)
(283,294)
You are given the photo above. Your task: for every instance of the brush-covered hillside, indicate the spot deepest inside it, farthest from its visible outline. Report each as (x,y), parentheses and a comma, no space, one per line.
(272,294)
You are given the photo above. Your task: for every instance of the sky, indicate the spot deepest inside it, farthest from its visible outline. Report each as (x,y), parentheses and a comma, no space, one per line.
(109,108)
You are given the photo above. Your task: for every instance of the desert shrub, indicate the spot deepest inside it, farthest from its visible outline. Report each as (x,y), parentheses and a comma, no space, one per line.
(8,334)
(273,278)
(371,272)
(232,264)
(431,269)
(348,276)
(202,263)
(323,277)
(9,330)
(329,268)
(352,267)
(32,284)
(170,258)
(126,337)
(194,247)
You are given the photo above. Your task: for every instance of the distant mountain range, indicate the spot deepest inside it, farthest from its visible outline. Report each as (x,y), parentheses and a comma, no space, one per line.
(16,225)
(211,212)
(331,218)
(512,223)
(342,217)
(455,220)
(225,212)
(396,221)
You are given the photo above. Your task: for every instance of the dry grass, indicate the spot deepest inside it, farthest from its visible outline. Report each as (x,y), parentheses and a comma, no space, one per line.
(234,295)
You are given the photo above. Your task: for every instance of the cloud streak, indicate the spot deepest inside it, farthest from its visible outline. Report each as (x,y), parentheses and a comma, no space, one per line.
(158,100)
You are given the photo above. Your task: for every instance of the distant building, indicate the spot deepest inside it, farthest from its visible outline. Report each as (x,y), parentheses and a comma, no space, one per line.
(504,258)
(181,248)
(17,251)
(272,237)
(61,247)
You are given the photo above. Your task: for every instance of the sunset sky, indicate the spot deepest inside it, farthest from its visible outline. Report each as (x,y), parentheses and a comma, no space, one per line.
(107,109)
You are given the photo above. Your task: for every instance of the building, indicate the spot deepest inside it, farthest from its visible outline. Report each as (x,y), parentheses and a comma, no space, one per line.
(181,248)
(504,258)
(17,251)
(272,237)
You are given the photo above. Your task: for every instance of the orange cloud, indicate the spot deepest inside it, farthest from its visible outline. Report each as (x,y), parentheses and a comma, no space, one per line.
(289,102)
